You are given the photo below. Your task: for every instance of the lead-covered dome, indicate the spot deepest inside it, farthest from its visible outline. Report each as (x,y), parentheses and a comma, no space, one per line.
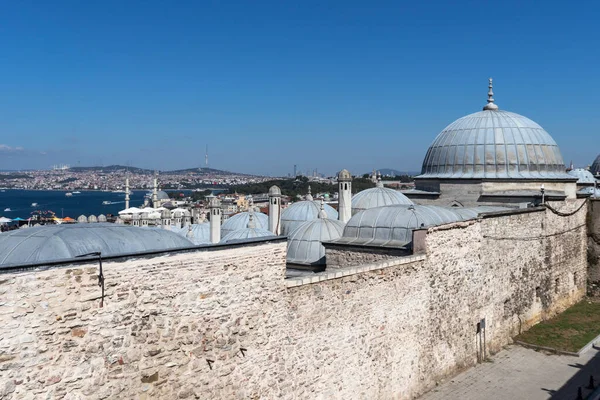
(304,242)
(583,176)
(595,168)
(240,221)
(245,234)
(67,241)
(378,196)
(494,144)
(302,211)
(392,226)
(195,233)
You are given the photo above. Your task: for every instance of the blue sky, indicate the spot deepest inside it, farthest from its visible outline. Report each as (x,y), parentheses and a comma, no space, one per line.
(269,84)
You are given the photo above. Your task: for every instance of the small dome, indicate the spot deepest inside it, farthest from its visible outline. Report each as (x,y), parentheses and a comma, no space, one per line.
(82,219)
(344,175)
(195,233)
(302,211)
(240,221)
(393,225)
(274,191)
(92,219)
(377,197)
(494,144)
(595,168)
(583,176)
(67,241)
(304,242)
(101,218)
(245,234)
(589,191)
(162,195)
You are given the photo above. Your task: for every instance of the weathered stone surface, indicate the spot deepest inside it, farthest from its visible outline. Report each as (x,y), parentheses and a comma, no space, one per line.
(223,324)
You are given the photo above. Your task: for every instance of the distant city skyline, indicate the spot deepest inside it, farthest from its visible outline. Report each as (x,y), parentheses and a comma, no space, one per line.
(268,85)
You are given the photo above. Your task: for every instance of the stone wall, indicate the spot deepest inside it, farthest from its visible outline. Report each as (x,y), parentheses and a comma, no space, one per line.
(594,247)
(403,328)
(171,327)
(226,324)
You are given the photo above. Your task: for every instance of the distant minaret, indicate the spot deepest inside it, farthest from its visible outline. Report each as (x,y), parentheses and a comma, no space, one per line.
(155,191)
(275,210)
(344,196)
(126,192)
(215,220)
(206,157)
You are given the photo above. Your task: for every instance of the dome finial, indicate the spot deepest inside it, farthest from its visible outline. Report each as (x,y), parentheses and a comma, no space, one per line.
(490,106)
(251,223)
(309,195)
(322,213)
(379,184)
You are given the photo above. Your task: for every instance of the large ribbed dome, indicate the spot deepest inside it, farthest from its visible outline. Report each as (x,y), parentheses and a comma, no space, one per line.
(494,144)
(595,169)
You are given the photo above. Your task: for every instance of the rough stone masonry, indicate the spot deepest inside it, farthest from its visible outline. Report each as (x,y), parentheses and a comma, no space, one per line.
(227,324)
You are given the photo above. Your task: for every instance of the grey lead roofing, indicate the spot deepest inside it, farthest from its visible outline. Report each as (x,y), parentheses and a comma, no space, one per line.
(377,197)
(392,226)
(67,241)
(494,145)
(304,242)
(595,169)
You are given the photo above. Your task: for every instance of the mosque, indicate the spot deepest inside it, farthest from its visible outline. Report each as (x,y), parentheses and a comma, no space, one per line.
(310,300)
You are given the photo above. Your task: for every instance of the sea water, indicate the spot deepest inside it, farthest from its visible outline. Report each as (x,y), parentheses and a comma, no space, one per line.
(87,203)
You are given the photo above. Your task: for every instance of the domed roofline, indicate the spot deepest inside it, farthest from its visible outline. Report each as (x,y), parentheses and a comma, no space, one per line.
(494,144)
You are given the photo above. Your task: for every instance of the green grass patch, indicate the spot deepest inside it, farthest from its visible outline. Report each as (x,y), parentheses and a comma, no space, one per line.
(569,331)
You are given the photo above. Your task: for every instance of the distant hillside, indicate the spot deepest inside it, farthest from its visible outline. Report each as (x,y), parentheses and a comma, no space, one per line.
(111,168)
(203,171)
(135,170)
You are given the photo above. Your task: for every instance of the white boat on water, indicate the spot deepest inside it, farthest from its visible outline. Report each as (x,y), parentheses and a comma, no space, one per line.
(34,204)
(76,192)
(106,203)
(7,209)
(68,194)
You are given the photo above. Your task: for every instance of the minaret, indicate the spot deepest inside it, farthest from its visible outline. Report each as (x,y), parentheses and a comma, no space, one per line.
(126,192)
(215,220)
(490,106)
(275,210)
(344,196)
(155,191)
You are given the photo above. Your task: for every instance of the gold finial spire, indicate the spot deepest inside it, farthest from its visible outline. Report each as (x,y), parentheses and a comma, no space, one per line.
(490,106)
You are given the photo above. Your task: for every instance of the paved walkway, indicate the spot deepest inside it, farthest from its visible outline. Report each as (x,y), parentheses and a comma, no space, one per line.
(520,373)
